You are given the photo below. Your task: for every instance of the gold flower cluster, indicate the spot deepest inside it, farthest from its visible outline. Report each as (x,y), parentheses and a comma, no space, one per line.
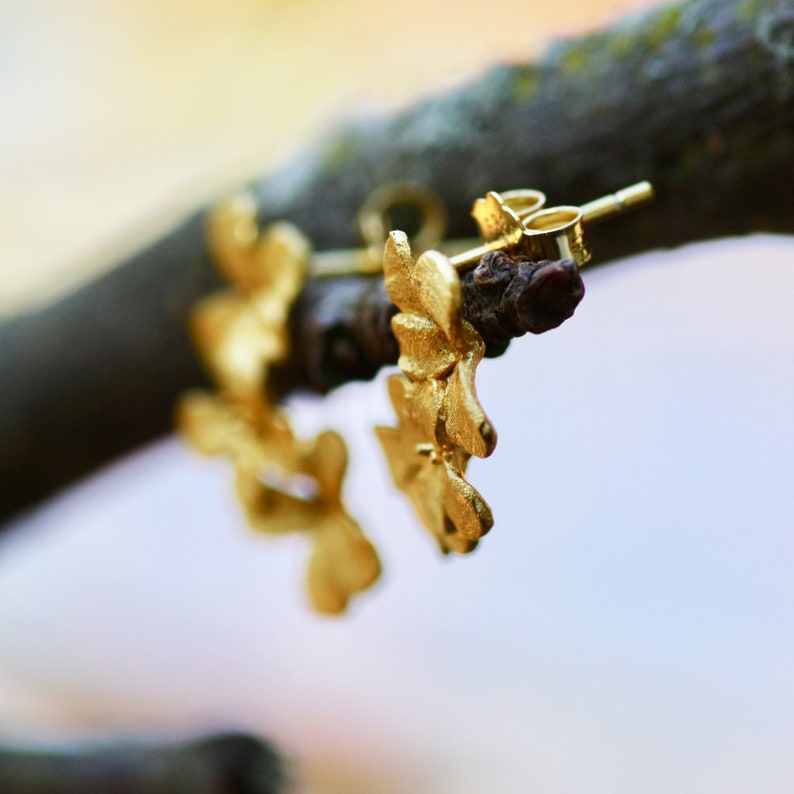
(285,484)
(288,484)
(441,423)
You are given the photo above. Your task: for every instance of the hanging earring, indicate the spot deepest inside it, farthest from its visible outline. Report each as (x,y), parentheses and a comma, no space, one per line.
(284,484)
(441,424)
(287,484)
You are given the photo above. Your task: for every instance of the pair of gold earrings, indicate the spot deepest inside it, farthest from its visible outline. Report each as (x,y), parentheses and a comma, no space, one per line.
(286,484)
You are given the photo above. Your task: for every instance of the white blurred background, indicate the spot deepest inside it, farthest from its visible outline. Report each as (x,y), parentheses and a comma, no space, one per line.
(628,625)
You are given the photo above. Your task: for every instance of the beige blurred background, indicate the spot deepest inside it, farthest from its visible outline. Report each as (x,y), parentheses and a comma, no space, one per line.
(120,115)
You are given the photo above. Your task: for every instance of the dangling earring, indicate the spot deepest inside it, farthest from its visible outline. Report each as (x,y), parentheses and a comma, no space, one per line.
(441,423)
(285,484)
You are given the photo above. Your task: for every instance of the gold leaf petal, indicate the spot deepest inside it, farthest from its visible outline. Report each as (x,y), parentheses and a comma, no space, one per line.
(280,262)
(276,260)
(327,463)
(465,422)
(428,287)
(343,562)
(232,233)
(467,510)
(207,422)
(417,406)
(236,345)
(398,263)
(425,406)
(438,286)
(270,510)
(496,220)
(424,349)
(436,501)
(211,318)
(431,477)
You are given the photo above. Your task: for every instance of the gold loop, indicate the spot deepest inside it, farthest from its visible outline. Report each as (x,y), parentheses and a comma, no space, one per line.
(524,202)
(373,221)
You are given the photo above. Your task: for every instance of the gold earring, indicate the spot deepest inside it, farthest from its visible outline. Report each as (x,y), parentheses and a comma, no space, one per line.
(516,221)
(285,484)
(441,424)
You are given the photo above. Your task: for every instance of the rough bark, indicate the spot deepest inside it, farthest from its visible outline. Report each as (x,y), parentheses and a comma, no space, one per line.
(698,98)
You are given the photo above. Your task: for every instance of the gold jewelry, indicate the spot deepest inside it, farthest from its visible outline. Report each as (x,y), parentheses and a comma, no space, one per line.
(441,423)
(284,484)
(514,221)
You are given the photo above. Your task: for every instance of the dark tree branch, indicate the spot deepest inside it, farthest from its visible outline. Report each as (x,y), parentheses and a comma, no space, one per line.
(698,98)
(343,334)
(229,764)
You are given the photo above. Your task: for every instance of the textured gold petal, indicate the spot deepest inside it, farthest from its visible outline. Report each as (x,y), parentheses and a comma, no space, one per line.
(437,285)
(428,287)
(436,502)
(465,422)
(425,406)
(464,506)
(417,406)
(276,260)
(273,512)
(398,389)
(343,563)
(398,263)
(403,466)
(245,352)
(496,220)
(424,349)
(429,476)
(425,491)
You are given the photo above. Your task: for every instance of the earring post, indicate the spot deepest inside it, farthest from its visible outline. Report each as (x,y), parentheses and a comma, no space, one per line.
(365,261)
(625,200)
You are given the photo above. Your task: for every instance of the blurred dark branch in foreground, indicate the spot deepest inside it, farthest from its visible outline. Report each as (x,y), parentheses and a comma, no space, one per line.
(229,764)
(697,98)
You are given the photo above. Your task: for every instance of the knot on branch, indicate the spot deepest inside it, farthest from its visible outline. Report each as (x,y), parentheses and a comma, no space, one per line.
(504,297)
(341,330)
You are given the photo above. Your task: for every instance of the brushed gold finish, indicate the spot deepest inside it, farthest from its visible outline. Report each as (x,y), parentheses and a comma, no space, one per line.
(441,422)
(432,476)
(284,484)
(242,330)
(288,485)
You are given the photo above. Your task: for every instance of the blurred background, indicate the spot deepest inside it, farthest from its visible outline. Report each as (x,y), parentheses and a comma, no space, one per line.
(628,625)
(120,116)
